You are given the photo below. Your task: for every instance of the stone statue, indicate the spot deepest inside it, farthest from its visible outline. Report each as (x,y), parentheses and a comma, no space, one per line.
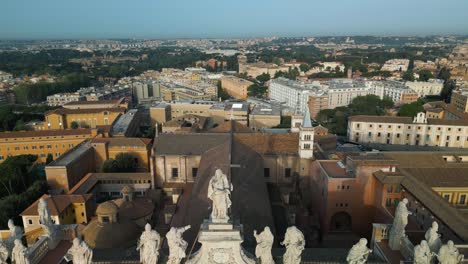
(20,254)
(4,252)
(397,232)
(80,252)
(422,253)
(433,238)
(448,254)
(219,190)
(149,245)
(177,245)
(264,245)
(294,242)
(15,233)
(358,253)
(44,212)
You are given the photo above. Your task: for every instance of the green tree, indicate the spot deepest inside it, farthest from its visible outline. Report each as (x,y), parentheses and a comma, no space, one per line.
(263,78)
(74,125)
(50,158)
(408,76)
(221,92)
(304,67)
(425,75)
(123,162)
(256,90)
(411,109)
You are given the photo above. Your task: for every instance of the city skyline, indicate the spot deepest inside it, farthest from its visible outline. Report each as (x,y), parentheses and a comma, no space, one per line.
(52,19)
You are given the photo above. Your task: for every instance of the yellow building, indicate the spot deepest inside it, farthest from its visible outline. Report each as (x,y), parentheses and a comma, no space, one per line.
(64,209)
(235,87)
(109,148)
(42,143)
(62,118)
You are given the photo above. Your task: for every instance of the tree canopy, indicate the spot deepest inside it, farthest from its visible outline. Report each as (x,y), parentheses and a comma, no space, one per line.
(123,162)
(336,120)
(411,109)
(256,90)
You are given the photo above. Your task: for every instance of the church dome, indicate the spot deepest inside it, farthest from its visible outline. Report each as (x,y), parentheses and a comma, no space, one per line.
(107,208)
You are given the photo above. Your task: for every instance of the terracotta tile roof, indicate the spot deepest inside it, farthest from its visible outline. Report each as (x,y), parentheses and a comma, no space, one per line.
(412,159)
(449,215)
(57,203)
(187,144)
(45,133)
(263,143)
(228,126)
(66,111)
(441,177)
(406,120)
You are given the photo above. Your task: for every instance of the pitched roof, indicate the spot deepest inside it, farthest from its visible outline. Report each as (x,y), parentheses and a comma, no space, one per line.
(306,122)
(231,126)
(66,111)
(45,133)
(270,143)
(406,120)
(187,144)
(441,177)
(57,203)
(449,215)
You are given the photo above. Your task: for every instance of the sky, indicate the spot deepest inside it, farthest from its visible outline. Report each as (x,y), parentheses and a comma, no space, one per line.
(97,19)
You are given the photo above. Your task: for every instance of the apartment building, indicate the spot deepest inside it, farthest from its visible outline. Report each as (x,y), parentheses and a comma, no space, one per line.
(431,87)
(419,131)
(64,98)
(235,87)
(459,99)
(293,94)
(42,143)
(218,112)
(396,65)
(341,92)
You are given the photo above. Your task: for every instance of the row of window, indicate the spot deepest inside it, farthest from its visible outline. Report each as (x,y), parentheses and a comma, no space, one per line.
(392,188)
(461,198)
(409,127)
(49,146)
(342,187)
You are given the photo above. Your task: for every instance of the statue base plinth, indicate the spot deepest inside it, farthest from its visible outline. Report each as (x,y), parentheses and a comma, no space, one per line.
(221,243)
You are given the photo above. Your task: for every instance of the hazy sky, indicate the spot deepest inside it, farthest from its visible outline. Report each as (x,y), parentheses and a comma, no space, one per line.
(228,18)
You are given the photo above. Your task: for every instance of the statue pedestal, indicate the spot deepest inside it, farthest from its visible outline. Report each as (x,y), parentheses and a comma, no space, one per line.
(221,243)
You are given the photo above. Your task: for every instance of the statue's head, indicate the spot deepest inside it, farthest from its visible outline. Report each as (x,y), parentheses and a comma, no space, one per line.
(218,172)
(147,227)
(405,201)
(42,202)
(10,223)
(76,242)
(450,244)
(435,226)
(267,229)
(363,242)
(18,242)
(424,243)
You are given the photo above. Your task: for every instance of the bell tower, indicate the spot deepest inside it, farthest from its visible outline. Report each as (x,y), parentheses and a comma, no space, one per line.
(306,137)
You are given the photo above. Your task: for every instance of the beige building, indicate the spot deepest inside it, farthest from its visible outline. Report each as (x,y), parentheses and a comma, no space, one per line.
(261,117)
(218,112)
(419,131)
(431,87)
(97,104)
(259,68)
(460,100)
(235,87)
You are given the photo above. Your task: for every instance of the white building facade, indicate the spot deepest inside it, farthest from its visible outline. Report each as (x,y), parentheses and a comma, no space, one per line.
(419,131)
